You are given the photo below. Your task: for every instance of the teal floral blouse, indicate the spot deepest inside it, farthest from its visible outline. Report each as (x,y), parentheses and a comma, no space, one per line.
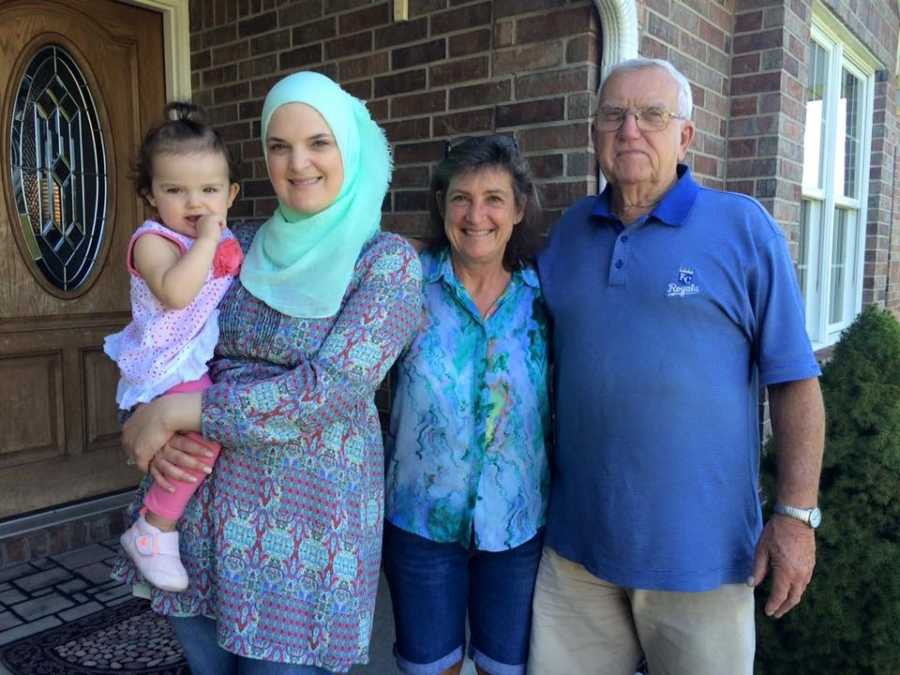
(470,424)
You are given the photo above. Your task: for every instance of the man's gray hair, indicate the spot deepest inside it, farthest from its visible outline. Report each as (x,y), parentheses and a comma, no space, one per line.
(685,98)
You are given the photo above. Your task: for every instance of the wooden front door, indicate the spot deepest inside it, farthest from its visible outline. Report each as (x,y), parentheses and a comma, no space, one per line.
(67,209)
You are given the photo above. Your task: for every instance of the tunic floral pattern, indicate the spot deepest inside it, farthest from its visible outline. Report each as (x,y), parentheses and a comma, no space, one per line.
(470,424)
(282,542)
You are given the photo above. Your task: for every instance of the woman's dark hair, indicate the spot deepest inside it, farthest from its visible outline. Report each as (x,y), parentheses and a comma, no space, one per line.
(183,130)
(482,152)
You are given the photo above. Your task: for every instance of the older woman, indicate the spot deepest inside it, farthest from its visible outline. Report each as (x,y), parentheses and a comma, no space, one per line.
(467,471)
(282,543)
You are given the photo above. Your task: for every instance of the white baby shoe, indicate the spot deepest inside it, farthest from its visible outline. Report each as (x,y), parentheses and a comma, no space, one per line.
(155,554)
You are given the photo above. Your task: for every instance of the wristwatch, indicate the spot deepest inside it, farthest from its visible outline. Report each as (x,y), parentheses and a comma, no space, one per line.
(811,517)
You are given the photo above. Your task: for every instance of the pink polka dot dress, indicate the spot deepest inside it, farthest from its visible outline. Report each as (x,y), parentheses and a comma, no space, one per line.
(164,347)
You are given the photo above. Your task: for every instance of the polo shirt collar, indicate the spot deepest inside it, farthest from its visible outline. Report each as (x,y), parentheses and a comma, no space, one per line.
(671,210)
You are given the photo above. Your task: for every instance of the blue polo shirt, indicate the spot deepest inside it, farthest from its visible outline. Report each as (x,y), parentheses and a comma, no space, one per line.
(663,333)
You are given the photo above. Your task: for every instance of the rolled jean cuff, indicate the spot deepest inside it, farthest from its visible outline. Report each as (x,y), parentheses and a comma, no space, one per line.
(494,667)
(433,668)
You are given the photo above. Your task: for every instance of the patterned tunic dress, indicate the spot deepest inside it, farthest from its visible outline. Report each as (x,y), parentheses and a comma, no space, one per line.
(282,543)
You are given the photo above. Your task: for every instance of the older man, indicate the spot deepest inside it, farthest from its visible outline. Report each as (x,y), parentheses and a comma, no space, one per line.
(671,304)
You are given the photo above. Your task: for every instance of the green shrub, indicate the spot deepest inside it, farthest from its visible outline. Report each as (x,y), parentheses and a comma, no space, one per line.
(848,622)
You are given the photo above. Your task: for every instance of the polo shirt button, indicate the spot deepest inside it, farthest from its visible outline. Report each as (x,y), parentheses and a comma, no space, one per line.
(619,264)
(624,238)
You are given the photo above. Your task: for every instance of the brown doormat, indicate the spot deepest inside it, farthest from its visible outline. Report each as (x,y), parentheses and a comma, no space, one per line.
(128,638)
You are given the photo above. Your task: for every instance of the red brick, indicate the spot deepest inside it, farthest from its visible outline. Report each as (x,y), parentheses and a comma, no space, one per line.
(261,23)
(226,54)
(698,95)
(378,108)
(556,82)
(752,84)
(340,6)
(706,165)
(411,200)
(546,166)
(300,11)
(473,68)
(582,48)
(410,176)
(745,63)
(416,55)
(741,106)
(559,24)
(353,45)
(653,49)
(496,91)
(576,135)
(459,19)
(423,151)
(400,83)
(530,112)
(743,147)
(664,30)
(364,66)
(361,89)
(748,21)
(259,88)
(407,130)
(469,121)
(220,36)
(712,35)
(315,31)
(469,43)
(272,42)
(364,19)
(252,149)
(222,114)
(692,46)
(528,58)
(418,104)
(504,8)
(504,34)
(399,33)
(298,58)
(216,76)
(754,42)
(560,195)
(259,66)
(200,60)
(580,106)
(581,164)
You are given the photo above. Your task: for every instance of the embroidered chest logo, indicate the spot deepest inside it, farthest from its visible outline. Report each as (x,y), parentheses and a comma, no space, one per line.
(684,285)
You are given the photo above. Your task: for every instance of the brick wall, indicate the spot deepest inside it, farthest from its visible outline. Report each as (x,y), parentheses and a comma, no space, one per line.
(696,37)
(525,67)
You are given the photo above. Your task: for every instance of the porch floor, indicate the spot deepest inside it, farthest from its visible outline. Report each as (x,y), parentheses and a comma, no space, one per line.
(49,592)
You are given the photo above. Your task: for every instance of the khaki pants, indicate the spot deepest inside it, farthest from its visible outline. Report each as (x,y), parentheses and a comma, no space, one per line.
(583,625)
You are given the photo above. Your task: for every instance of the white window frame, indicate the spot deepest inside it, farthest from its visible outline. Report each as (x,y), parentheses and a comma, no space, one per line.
(845,52)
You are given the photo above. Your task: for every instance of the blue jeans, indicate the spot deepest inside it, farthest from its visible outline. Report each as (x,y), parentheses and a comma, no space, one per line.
(435,585)
(197,635)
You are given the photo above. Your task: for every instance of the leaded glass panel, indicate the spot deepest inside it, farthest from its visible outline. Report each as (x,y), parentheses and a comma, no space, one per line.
(58,167)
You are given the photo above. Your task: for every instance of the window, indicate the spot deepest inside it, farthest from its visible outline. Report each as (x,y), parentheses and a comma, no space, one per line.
(58,169)
(835,183)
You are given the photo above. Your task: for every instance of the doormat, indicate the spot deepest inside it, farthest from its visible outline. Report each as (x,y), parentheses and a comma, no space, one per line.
(128,638)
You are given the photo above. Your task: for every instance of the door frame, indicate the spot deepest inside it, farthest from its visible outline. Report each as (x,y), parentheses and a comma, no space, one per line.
(176,44)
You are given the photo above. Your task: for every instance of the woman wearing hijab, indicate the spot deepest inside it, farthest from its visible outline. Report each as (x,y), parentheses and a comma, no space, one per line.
(282,542)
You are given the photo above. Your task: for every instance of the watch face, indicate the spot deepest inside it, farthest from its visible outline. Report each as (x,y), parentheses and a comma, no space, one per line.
(815,518)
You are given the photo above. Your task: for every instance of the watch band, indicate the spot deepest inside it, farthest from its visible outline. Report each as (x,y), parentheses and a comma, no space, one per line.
(811,517)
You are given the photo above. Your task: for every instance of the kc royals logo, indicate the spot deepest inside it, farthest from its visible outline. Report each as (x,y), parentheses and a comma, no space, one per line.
(684,285)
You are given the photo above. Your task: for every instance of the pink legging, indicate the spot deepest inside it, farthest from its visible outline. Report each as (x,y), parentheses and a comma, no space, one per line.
(171,504)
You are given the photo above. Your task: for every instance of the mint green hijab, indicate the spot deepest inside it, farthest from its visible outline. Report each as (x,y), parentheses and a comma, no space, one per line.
(301,264)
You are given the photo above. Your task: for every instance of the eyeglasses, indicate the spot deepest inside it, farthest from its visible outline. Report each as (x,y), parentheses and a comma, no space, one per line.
(651,118)
(508,143)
